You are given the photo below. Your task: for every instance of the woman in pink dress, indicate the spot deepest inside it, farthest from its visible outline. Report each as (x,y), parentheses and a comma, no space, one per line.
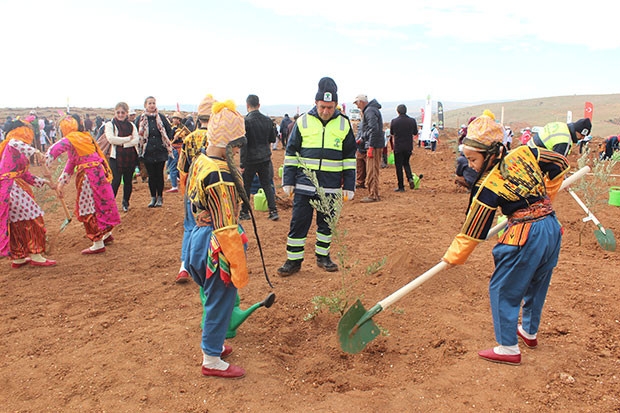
(22,230)
(95,205)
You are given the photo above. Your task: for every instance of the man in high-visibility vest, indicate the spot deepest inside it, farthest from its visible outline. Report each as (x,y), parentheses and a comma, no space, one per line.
(321,141)
(559,136)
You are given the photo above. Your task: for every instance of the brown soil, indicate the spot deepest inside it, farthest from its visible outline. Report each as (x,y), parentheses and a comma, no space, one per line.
(114,333)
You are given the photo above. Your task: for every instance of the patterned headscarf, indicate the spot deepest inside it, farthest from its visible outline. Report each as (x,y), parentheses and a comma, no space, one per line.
(483,133)
(68,125)
(226,124)
(205,107)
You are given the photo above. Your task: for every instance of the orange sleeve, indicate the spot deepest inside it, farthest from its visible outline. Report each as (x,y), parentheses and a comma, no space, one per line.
(461,248)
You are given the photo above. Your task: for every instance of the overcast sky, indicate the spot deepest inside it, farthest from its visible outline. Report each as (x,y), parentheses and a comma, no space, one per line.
(96,53)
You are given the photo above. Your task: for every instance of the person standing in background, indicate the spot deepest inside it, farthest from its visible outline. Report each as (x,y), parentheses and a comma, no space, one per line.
(154,148)
(371,133)
(403,129)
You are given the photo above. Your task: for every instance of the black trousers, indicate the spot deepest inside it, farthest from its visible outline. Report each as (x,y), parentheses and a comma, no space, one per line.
(156,177)
(401,161)
(126,174)
(265,176)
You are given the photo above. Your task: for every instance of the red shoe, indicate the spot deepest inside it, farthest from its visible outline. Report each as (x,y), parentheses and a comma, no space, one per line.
(20,264)
(88,251)
(227,351)
(232,372)
(530,343)
(46,263)
(108,240)
(182,278)
(491,355)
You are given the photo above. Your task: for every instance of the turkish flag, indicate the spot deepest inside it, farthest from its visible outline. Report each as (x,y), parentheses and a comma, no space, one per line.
(588,110)
(422,112)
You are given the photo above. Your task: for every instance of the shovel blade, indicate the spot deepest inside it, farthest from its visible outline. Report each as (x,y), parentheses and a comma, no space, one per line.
(605,240)
(353,338)
(64,224)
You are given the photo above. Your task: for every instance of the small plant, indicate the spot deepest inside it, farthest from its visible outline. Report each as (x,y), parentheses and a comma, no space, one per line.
(592,191)
(337,301)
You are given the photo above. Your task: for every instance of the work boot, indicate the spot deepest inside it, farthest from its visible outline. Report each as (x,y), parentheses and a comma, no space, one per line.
(290,267)
(325,262)
(273,215)
(153,202)
(244,216)
(160,202)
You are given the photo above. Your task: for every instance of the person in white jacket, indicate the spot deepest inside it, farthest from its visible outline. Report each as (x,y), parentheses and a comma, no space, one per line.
(123,137)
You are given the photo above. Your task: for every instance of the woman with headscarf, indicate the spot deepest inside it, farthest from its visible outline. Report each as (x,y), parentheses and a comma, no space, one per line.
(154,147)
(215,254)
(123,137)
(22,230)
(522,182)
(95,205)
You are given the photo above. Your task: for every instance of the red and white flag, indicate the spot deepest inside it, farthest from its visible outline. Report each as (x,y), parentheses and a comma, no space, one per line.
(588,110)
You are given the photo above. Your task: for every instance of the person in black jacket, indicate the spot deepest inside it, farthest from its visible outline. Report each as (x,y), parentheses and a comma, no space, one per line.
(371,133)
(402,130)
(256,156)
(154,147)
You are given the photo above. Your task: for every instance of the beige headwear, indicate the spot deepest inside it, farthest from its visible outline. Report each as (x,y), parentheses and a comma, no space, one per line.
(226,124)
(483,133)
(204,108)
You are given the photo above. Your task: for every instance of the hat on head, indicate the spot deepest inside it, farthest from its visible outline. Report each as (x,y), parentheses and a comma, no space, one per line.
(361,98)
(483,133)
(328,91)
(177,115)
(132,111)
(225,125)
(583,126)
(68,124)
(33,112)
(204,108)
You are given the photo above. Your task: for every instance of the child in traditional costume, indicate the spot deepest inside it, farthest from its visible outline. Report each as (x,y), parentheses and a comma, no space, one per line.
(95,205)
(22,230)
(522,182)
(193,145)
(215,256)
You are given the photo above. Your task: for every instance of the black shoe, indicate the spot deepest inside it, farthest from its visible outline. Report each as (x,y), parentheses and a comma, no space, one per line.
(125,206)
(325,262)
(290,267)
(244,216)
(411,184)
(153,202)
(273,215)
(160,202)
(399,190)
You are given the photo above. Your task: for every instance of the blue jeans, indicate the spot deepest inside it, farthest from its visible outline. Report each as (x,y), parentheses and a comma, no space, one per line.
(521,280)
(172,168)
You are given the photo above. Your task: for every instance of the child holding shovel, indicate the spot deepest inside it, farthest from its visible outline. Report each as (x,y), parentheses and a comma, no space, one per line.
(22,230)
(528,250)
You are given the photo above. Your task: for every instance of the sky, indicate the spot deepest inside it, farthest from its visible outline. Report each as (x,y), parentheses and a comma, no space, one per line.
(97,53)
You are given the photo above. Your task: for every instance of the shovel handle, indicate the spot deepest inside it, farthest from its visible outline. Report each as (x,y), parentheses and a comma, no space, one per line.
(64,207)
(397,295)
(565,184)
(585,209)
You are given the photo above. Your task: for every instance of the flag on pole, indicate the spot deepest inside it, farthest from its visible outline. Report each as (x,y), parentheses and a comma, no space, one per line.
(178,108)
(588,110)
(422,114)
(440,115)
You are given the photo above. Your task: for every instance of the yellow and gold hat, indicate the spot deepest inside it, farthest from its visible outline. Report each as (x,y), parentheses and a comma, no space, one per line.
(205,107)
(483,133)
(226,124)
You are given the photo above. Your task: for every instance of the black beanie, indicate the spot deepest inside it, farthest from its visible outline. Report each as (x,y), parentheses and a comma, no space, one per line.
(583,126)
(327,90)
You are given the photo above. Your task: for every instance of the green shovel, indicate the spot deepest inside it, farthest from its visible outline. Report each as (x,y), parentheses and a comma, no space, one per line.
(604,236)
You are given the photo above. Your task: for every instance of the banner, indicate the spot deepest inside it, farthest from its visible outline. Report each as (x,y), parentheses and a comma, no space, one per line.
(422,112)
(588,110)
(440,115)
(426,123)
(569,116)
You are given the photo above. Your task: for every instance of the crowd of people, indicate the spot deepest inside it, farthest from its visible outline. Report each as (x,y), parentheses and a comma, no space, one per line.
(323,152)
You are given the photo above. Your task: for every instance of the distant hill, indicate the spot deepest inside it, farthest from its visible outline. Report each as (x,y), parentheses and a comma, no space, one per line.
(518,114)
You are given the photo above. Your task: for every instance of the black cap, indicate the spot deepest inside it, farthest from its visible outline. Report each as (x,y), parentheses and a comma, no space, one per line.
(328,91)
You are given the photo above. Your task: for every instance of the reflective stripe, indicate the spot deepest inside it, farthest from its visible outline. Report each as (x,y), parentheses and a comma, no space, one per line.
(291,161)
(323,237)
(296,242)
(310,163)
(321,251)
(304,121)
(342,123)
(309,188)
(294,256)
(332,190)
(348,164)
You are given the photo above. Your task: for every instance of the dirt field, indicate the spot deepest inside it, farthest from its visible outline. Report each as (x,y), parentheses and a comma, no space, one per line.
(114,333)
